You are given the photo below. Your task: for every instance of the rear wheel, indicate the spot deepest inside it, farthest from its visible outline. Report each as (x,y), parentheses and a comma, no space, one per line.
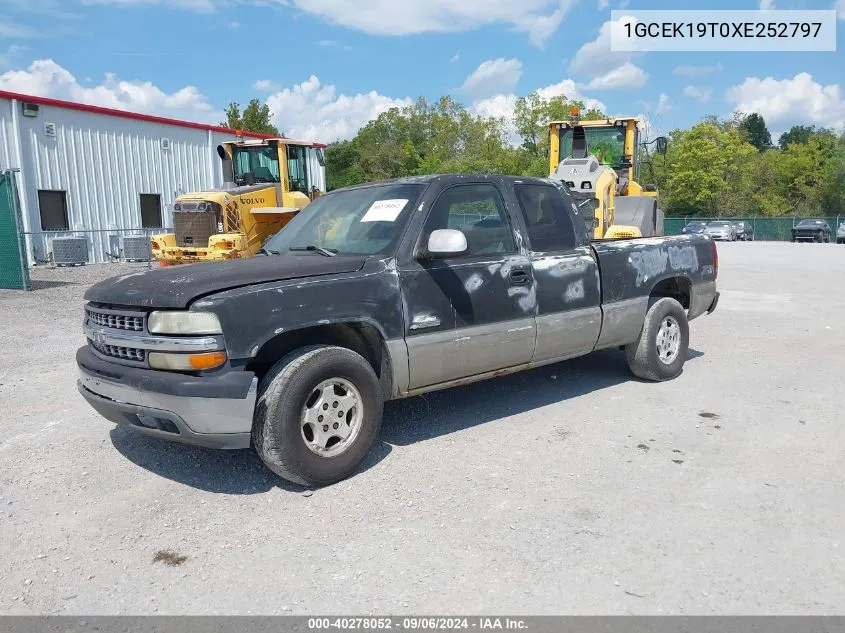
(318,414)
(660,351)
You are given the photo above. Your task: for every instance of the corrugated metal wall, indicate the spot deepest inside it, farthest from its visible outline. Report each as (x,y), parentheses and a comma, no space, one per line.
(104,163)
(7,138)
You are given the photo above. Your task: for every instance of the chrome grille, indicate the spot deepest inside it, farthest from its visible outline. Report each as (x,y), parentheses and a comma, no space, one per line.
(117,321)
(124,353)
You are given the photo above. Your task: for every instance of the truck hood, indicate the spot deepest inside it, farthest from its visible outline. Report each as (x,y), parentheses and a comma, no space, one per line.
(177,286)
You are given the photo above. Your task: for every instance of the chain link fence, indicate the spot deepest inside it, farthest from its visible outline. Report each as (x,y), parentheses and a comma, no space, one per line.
(14,273)
(767,229)
(98,246)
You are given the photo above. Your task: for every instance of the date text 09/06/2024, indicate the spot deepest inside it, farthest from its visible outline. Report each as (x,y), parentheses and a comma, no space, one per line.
(417,623)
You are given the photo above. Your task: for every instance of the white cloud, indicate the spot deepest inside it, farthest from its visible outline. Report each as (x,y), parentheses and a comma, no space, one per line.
(628,75)
(46,78)
(701,93)
(201,6)
(12,30)
(767,5)
(663,105)
(603,4)
(455,57)
(839,7)
(234,26)
(538,18)
(266,85)
(7,57)
(786,102)
(697,71)
(608,69)
(313,111)
(503,105)
(494,76)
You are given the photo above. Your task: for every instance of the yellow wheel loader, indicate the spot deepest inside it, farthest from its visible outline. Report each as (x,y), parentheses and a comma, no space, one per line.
(266,183)
(601,167)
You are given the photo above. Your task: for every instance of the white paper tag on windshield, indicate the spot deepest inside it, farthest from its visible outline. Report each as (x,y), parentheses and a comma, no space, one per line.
(384,210)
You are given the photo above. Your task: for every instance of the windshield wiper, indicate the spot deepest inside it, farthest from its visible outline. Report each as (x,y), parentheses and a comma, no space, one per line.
(268,251)
(328,252)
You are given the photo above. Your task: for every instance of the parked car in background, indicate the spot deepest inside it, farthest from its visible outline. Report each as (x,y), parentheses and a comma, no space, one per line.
(721,230)
(744,231)
(694,228)
(811,231)
(840,233)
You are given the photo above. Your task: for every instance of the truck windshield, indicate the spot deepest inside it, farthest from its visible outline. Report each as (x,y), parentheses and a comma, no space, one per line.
(606,144)
(262,162)
(362,221)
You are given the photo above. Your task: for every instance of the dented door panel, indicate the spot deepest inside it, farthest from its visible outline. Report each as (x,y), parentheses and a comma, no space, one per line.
(568,303)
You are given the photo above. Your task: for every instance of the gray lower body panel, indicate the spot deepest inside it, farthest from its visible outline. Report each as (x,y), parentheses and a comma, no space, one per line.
(567,334)
(622,322)
(452,354)
(212,422)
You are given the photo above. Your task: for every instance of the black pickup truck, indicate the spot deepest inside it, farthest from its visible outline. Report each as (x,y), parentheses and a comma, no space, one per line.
(378,292)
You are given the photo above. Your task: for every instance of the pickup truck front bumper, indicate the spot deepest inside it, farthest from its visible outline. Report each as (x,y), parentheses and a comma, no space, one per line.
(211,411)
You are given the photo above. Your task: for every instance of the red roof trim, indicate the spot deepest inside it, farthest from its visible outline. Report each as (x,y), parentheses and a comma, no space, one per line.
(82,107)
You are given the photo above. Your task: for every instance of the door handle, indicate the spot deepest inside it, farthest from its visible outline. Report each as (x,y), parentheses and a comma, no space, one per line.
(519,277)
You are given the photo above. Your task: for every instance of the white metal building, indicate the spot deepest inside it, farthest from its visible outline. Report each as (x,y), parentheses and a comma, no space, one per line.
(97,172)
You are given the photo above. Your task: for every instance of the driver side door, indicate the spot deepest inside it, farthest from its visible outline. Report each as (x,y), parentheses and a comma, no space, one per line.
(471,314)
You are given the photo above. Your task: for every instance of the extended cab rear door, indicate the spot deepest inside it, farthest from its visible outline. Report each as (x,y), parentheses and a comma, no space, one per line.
(565,272)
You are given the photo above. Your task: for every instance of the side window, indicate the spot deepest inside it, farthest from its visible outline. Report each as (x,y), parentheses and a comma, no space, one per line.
(478,211)
(548,220)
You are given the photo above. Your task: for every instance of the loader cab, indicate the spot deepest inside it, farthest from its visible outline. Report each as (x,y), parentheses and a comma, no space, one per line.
(272,161)
(612,141)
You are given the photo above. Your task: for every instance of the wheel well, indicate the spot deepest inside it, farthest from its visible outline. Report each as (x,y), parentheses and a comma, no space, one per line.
(361,338)
(677,288)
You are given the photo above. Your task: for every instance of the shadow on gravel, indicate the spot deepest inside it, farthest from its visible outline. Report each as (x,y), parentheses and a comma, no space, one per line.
(405,422)
(226,472)
(451,410)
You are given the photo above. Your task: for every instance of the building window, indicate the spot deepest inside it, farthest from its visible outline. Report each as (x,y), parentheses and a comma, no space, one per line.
(150,211)
(52,205)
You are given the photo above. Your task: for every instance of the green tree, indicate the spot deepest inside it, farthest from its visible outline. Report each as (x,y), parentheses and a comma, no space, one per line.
(708,171)
(254,118)
(802,134)
(756,132)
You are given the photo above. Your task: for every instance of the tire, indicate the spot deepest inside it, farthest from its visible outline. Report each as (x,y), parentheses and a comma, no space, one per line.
(642,355)
(280,428)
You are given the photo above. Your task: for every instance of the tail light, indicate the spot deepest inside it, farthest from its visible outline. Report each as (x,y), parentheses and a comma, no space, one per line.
(715,251)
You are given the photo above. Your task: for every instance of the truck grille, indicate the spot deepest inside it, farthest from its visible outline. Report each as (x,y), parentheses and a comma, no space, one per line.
(123,353)
(116,321)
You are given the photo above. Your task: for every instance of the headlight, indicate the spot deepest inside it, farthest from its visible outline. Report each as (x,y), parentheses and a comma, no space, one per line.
(184,323)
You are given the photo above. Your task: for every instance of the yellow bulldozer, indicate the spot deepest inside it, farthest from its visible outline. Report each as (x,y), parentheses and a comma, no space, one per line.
(266,183)
(601,166)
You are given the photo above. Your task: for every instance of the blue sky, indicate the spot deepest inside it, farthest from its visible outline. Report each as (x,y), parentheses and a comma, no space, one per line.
(326,67)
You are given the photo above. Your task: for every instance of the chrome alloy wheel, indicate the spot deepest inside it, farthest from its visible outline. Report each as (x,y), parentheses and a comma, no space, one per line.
(332,417)
(668,340)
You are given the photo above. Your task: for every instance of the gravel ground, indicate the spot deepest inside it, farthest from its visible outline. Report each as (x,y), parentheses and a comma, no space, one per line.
(569,489)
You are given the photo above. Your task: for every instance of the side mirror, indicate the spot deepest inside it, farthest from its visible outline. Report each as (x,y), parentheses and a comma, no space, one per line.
(662,144)
(444,243)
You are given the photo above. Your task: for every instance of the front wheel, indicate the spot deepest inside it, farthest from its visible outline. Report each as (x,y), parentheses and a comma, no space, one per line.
(661,349)
(318,414)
